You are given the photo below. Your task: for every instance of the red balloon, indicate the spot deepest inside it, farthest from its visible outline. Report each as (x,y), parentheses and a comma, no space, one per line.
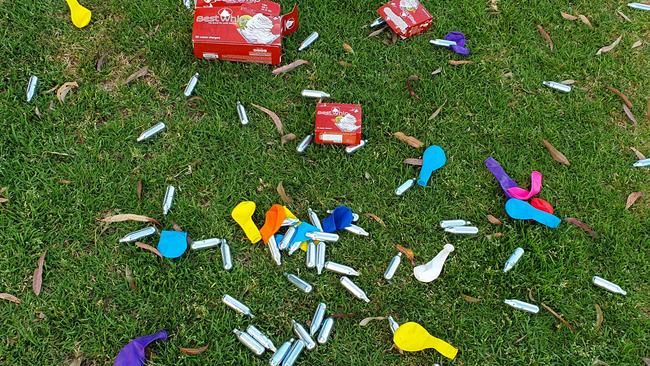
(541,204)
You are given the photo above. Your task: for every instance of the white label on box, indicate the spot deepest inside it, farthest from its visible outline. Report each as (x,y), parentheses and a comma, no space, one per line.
(330,137)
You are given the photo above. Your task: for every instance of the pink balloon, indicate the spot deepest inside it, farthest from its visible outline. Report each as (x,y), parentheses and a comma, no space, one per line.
(535,188)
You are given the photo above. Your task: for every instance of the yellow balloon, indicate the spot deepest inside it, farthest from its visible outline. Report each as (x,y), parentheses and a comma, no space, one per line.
(80,16)
(242,214)
(412,337)
(288,213)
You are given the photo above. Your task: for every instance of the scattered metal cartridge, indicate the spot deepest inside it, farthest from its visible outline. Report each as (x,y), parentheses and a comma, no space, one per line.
(405,187)
(226,258)
(293,354)
(151,132)
(313,218)
(316,94)
(607,285)
(642,163)
(241,112)
(310,256)
(286,239)
(325,331)
(31,87)
(304,144)
(392,266)
(290,221)
(354,289)
(354,148)
(249,342)
(281,353)
(523,306)
(260,337)
(354,229)
(308,41)
(169,199)
(317,319)
(467,230)
(187,3)
(302,333)
(293,247)
(191,85)
(442,42)
(322,236)
(557,86)
(205,244)
(273,249)
(237,306)
(301,284)
(340,268)
(320,256)
(377,22)
(514,258)
(138,234)
(453,223)
(392,324)
(639,6)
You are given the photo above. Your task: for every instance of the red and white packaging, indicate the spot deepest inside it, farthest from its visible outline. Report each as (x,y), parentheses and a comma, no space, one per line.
(406,17)
(338,123)
(241,30)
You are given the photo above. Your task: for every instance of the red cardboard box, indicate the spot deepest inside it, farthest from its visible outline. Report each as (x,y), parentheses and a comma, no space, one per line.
(406,17)
(338,123)
(241,30)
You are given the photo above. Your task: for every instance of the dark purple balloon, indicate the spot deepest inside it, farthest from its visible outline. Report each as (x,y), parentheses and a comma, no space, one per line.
(502,177)
(133,353)
(459,38)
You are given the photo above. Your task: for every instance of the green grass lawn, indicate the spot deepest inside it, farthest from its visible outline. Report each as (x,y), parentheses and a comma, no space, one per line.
(86,306)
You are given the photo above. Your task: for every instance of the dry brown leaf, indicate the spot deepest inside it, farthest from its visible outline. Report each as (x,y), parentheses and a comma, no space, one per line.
(470,299)
(342,315)
(629,115)
(377,32)
(64,181)
(287,138)
(568,16)
(348,48)
(495,235)
(530,295)
(586,228)
(365,321)
(493,220)
(129,277)
(409,85)
(375,217)
(556,154)
(414,162)
(148,247)
(460,62)
(609,47)
(632,198)
(493,6)
(194,351)
(638,154)
(289,67)
(137,75)
(37,280)
(637,44)
(437,111)
(138,189)
(568,82)
(176,227)
(407,252)
(63,91)
(646,361)
(101,61)
(77,361)
(620,94)
(600,318)
(276,120)
(585,20)
(9,297)
(623,16)
(128,217)
(558,317)
(344,63)
(408,139)
(3,200)
(283,194)
(546,36)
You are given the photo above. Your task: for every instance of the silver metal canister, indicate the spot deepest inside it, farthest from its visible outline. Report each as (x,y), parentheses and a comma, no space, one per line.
(226,258)
(260,337)
(392,266)
(308,41)
(191,85)
(249,342)
(237,306)
(354,289)
(281,353)
(302,333)
(138,234)
(301,284)
(295,351)
(341,268)
(206,244)
(317,319)
(325,331)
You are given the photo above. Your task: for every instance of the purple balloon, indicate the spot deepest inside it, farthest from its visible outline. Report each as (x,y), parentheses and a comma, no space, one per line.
(133,353)
(502,177)
(459,38)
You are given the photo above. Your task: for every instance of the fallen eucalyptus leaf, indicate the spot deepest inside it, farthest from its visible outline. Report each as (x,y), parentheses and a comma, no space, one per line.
(436,71)
(437,111)
(37,280)
(632,198)
(460,62)
(470,299)
(568,82)
(148,247)
(408,139)
(493,220)
(138,189)
(287,138)
(289,67)
(342,315)
(620,94)
(623,16)
(556,154)
(568,16)
(629,114)
(407,252)
(377,32)
(414,162)
(276,120)
(137,75)
(610,47)
(375,217)
(99,64)
(558,317)
(9,297)
(409,85)
(637,44)
(348,48)
(128,217)
(638,154)
(600,318)
(129,277)
(63,91)
(585,20)
(546,36)
(283,194)
(365,321)
(194,351)
(586,228)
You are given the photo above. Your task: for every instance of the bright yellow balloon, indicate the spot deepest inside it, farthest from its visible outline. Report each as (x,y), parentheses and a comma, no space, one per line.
(288,213)
(412,337)
(242,214)
(80,16)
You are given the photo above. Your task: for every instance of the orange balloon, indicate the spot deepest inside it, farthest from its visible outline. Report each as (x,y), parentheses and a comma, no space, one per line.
(274,218)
